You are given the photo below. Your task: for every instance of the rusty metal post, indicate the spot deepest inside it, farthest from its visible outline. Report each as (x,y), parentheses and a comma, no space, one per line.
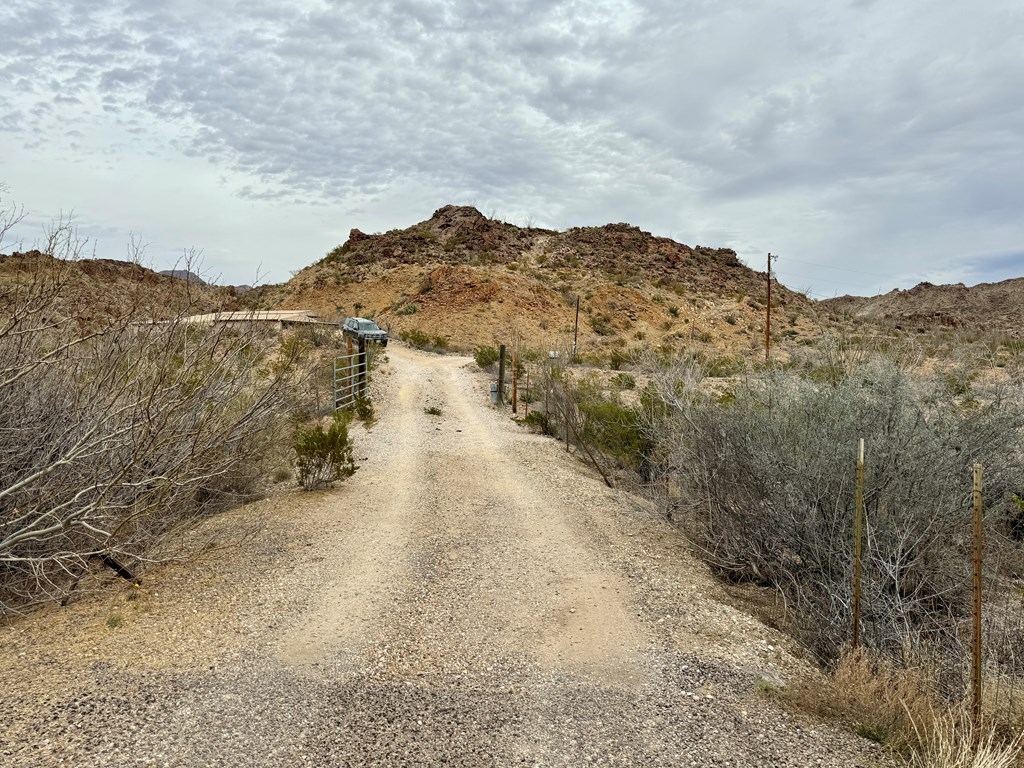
(858,528)
(515,381)
(501,374)
(979,534)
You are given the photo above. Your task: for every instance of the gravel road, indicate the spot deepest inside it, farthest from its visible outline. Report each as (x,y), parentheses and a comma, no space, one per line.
(473,596)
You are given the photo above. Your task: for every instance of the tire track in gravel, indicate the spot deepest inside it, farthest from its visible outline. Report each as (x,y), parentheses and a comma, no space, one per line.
(364,568)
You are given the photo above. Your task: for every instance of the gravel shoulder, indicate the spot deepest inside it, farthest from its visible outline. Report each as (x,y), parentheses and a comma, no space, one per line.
(471,596)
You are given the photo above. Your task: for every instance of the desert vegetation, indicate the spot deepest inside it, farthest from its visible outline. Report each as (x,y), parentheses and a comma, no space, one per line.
(113,435)
(759,474)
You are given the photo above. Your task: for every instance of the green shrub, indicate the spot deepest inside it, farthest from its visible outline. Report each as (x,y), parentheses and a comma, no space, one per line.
(324,456)
(364,409)
(485,356)
(415,338)
(420,340)
(601,324)
(539,422)
(408,309)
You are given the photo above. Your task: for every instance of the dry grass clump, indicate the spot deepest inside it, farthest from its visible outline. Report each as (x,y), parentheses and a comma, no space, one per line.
(898,707)
(876,698)
(948,744)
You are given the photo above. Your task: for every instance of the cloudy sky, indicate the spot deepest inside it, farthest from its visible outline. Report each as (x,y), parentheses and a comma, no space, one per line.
(871,144)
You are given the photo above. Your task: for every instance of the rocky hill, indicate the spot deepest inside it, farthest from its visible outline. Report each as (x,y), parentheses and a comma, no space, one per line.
(991,308)
(94,291)
(476,280)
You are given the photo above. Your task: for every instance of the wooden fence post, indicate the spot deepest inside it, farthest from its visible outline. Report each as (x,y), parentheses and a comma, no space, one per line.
(858,532)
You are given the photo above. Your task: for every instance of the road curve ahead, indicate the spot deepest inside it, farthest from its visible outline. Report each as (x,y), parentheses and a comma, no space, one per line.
(473,596)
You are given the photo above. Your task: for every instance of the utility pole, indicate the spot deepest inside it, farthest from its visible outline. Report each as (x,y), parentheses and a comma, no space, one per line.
(768,314)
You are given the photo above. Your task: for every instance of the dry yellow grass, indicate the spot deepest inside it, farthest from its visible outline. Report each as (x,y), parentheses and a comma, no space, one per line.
(898,707)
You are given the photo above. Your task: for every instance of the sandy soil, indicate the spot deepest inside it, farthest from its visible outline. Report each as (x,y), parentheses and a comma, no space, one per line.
(472,596)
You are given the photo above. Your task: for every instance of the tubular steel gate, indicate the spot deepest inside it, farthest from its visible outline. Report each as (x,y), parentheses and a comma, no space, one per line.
(349,378)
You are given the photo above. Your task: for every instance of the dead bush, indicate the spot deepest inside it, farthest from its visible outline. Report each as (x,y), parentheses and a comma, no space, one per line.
(111,437)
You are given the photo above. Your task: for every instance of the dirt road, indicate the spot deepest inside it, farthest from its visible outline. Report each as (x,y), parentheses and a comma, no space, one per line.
(472,596)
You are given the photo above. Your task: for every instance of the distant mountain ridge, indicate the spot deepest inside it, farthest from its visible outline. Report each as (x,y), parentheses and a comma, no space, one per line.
(98,290)
(183,274)
(192,277)
(987,307)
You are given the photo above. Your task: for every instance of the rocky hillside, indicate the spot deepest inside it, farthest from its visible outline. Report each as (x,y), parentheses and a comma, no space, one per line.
(992,308)
(93,291)
(476,280)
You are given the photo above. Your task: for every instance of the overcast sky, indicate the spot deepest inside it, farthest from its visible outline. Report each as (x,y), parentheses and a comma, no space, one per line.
(871,144)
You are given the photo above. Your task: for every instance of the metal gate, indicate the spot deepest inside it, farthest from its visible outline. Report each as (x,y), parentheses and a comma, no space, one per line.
(349,379)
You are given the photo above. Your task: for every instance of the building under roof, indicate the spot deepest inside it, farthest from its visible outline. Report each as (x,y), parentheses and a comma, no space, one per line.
(278,317)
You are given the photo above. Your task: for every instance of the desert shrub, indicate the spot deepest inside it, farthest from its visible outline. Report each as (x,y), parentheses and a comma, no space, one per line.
(771,481)
(110,441)
(323,456)
(601,423)
(415,338)
(421,340)
(623,381)
(721,367)
(116,430)
(364,409)
(485,356)
(618,357)
(601,323)
(408,309)
(539,422)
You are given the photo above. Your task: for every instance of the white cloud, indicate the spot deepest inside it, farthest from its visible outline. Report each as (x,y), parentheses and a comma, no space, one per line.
(874,144)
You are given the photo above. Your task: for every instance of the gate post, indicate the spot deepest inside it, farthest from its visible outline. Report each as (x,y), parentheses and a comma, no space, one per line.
(501,374)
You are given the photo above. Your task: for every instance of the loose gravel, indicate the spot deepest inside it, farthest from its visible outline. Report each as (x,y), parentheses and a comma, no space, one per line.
(473,596)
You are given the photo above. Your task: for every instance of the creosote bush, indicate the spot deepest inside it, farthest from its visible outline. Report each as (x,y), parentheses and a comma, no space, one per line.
(485,356)
(421,340)
(324,456)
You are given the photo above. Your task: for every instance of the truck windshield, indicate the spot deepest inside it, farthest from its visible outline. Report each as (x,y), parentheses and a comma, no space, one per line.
(368,325)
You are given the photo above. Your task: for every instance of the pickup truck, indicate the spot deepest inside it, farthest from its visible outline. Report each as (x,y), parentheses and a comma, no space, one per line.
(365,330)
